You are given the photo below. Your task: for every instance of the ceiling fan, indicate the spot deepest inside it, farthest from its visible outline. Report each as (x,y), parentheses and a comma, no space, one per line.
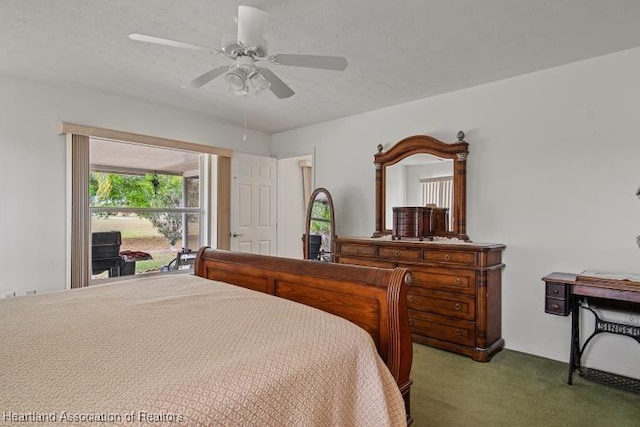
(246,49)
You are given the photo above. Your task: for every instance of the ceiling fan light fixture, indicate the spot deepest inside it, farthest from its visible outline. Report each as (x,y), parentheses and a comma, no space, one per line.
(236,79)
(259,83)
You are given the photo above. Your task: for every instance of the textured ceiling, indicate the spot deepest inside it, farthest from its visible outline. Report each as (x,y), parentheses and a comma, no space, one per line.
(397,51)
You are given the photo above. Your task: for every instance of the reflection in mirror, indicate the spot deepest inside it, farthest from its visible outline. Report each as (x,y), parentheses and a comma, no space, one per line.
(419,180)
(320,227)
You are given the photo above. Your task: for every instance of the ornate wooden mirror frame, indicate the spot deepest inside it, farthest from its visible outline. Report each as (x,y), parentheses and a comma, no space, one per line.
(324,254)
(422,144)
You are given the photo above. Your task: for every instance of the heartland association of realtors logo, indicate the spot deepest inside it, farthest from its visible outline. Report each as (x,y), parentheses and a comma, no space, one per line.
(33,417)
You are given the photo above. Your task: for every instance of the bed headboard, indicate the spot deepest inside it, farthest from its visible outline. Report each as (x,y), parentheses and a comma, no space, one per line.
(373,298)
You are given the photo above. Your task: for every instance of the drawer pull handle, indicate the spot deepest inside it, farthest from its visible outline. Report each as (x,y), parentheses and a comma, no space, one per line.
(447,257)
(457,307)
(458,332)
(555,306)
(357,250)
(410,298)
(458,280)
(397,254)
(555,291)
(411,322)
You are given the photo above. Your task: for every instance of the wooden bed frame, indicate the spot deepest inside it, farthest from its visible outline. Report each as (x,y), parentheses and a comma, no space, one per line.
(373,298)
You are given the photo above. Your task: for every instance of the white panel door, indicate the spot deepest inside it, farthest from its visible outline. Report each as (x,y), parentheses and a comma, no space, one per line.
(253,204)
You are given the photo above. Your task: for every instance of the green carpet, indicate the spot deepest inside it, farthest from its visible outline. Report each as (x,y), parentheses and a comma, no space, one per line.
(514,389)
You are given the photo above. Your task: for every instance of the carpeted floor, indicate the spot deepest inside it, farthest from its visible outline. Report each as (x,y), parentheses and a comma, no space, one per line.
(514,389)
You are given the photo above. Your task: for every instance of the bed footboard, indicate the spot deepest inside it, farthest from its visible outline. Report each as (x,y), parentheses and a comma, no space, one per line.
(373,298)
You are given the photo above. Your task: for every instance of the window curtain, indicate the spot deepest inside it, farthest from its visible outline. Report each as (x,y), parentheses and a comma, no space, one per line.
(80,221)
(224,203)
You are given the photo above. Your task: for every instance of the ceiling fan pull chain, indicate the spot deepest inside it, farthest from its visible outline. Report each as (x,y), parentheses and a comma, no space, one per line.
(244,124)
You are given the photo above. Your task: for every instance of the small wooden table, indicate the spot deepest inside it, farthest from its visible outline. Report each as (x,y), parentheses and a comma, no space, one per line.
(128,263)
(568,293)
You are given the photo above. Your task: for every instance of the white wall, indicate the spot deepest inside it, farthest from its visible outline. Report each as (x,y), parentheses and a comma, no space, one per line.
(33,162)
(552,173)
(291,207)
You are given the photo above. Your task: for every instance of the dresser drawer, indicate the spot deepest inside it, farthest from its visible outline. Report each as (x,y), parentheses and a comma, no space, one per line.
(445,303)
(557,290)
(450,257)
(448,279)
(442,328)
(404,254)
(369,262)
(360,250)
(556,306)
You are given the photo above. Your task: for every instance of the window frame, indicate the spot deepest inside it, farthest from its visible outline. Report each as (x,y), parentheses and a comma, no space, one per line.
(215,189)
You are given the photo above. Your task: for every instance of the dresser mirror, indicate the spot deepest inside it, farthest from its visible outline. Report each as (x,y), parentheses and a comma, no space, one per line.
(320,229)
(408,173)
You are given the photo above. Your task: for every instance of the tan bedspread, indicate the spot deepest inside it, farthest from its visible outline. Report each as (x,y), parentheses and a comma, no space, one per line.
(180,349)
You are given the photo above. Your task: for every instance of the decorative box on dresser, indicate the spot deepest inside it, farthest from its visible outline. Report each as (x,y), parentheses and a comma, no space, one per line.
(455,299)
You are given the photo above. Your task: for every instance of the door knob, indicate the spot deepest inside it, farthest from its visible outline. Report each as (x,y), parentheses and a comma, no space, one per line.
(237,235)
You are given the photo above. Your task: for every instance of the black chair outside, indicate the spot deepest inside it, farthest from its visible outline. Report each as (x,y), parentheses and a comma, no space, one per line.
(184,260)
(315,242)
(105,252)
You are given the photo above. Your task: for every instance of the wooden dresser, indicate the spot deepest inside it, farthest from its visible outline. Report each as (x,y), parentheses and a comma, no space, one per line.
(455,299)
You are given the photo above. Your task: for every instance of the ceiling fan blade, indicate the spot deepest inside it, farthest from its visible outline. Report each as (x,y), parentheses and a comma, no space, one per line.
(251,23)
(278,87)
(172,43)
(335,63)
(206,77)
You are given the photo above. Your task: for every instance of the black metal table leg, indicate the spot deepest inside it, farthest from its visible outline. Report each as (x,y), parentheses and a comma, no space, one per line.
(574,355)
